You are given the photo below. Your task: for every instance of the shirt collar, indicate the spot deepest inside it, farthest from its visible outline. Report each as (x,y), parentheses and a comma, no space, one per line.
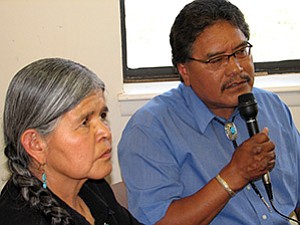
(202,114)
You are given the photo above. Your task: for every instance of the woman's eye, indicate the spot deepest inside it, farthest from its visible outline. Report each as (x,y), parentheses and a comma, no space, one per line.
(103,115)
(84,122)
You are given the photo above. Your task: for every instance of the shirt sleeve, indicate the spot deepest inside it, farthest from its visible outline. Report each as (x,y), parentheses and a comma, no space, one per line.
(293,138)
(283,132)
(150,171)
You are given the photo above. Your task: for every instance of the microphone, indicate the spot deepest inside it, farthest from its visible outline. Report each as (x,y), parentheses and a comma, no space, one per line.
(248,109)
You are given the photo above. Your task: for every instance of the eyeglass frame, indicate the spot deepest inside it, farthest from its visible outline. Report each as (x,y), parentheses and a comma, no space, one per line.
(208,61)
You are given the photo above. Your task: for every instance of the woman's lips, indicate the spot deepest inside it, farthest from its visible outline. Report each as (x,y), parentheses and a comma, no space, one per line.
(106,154)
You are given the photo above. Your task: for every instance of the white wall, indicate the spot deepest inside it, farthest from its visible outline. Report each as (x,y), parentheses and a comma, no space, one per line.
(84,31)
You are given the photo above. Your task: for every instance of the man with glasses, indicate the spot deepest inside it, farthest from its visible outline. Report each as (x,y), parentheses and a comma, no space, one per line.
(186,156)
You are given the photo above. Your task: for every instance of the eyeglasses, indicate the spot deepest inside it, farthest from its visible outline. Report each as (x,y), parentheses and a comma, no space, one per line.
(217,62)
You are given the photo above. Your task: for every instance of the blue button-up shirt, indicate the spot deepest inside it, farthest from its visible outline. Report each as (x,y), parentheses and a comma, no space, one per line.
(173,146)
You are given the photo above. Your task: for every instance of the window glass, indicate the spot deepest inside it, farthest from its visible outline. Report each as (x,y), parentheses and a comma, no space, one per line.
(274,27)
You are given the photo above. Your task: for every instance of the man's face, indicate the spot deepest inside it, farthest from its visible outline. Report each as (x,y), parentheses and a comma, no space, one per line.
(219,87)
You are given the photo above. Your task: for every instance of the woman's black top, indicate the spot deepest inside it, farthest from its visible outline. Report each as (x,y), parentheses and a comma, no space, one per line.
(97,194)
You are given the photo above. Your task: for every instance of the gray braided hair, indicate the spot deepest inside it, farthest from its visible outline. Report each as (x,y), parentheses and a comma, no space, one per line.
(37,96)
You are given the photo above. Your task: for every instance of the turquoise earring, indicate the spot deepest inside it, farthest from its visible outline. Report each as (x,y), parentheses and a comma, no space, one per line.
(44,179)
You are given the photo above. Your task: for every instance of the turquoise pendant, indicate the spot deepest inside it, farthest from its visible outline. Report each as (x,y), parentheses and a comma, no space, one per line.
(230,131)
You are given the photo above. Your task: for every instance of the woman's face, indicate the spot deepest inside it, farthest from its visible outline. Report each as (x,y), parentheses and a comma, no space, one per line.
(79,148)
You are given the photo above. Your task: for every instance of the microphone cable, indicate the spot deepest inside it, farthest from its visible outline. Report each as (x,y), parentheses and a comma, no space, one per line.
(231,133)
(282,215)
(270,196)
(248,109)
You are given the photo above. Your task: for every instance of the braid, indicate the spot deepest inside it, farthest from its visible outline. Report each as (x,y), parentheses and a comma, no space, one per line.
(38,95)
(33,193)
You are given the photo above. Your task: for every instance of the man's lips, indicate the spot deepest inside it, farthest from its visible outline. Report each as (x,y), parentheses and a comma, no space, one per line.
(234,84)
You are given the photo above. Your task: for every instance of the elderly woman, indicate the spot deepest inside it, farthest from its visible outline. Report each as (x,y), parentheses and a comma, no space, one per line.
(58,145)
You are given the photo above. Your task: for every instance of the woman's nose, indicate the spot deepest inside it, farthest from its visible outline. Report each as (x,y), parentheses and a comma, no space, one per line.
(103,130)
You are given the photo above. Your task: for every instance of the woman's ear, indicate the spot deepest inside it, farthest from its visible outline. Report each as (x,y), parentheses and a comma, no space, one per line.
(184,72)
(34,145)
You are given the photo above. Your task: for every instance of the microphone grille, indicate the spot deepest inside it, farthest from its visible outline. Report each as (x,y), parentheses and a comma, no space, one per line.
(246,98)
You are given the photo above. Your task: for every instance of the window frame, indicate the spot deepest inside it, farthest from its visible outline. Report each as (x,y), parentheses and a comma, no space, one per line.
(170,73)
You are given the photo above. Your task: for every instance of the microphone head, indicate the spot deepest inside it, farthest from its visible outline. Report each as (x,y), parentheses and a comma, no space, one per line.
(247,106)
(247,97)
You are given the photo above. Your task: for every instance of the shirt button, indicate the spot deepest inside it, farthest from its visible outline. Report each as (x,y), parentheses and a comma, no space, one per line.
(248,187)
(264,217)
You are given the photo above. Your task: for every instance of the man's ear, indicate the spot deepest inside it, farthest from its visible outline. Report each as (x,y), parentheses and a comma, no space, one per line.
(184,72)
(34,145)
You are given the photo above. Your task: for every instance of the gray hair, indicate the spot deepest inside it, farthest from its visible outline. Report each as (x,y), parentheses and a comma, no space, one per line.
(37,96)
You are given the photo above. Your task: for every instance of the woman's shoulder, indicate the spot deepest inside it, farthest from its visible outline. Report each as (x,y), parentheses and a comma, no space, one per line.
(105,196)
(14,210)
(22,216)
(100,187)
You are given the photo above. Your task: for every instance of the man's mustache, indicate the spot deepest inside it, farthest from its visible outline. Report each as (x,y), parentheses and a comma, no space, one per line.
(245,77)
